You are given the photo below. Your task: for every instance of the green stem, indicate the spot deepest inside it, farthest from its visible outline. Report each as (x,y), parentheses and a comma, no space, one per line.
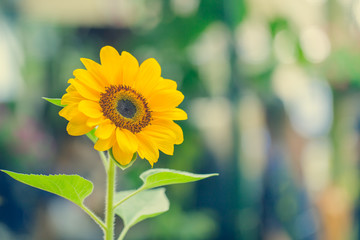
(104,160)
(109,210)
(94,217)
(127,197)
(123,233)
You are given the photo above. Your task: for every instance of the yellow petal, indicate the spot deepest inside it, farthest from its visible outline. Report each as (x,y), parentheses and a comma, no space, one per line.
(163,84)
(92,122)
(79,118)
(166,84)
(87,79)
(173,114)
(90,109)
(71,88)
(85,91)
(69,111)
(71,98)
(105,144)
(164,146)
(130,67)
(122,157)
(111,63)
(148,76)
(95,70)
(178,132)
(165,100)
(147,148)
(173,127)
(125,141)
(132,140)
(159,131)
(105,130)
(109,55)
(77,129)
(163,137)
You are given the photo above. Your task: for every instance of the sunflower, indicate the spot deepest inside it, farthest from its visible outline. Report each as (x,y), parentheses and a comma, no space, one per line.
(131,107)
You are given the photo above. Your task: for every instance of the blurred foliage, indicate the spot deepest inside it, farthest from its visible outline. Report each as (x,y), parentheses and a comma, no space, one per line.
(248,70)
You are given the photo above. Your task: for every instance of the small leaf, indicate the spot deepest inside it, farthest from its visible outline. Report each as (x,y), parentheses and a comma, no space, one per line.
(161,176)
(55,101)
(146,204)
(123,167)
(71,187)
(91,135)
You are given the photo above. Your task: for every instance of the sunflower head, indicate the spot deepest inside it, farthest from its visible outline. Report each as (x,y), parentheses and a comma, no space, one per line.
(132,107)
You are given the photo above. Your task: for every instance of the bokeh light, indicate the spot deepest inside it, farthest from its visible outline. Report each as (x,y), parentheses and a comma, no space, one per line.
(272,90)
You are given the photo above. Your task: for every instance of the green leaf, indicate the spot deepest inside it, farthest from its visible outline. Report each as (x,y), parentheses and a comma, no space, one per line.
(146,204)
(71,187)
(55,101)
(161,176)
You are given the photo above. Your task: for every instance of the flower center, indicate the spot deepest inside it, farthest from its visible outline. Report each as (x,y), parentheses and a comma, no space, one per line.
(125,107)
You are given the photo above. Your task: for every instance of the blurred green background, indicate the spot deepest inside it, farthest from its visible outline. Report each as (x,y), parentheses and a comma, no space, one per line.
(272,90)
